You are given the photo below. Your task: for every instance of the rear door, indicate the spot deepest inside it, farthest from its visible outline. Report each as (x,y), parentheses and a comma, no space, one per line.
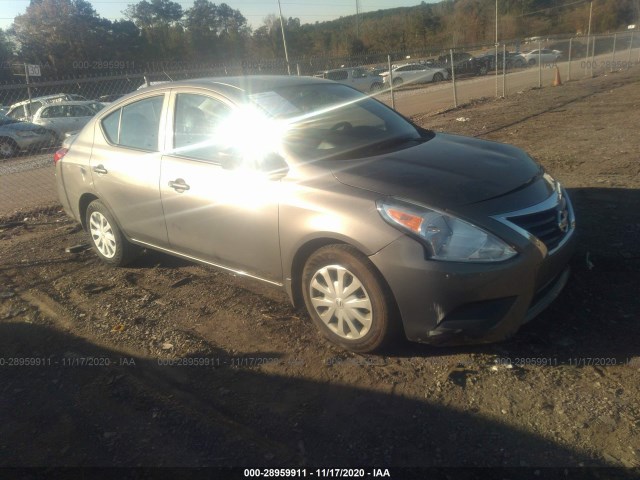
(125,166)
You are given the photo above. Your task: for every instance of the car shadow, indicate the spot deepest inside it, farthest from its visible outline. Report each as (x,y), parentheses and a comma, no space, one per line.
(135,411)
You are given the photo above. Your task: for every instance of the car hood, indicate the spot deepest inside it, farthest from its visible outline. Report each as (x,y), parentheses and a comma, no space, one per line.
(446,171)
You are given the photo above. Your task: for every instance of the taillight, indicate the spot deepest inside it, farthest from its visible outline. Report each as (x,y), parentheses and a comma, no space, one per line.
(59,155)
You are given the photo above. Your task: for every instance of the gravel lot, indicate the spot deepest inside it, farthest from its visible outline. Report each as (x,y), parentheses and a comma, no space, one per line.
(258,387)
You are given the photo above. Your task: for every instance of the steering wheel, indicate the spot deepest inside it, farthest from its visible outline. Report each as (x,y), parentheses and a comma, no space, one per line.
(341,126)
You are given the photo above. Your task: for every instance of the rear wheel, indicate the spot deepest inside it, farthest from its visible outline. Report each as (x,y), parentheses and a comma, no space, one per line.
(438,77)
(347,299)
(532,61)
(397,82)
(376,87)
(8,148)
(106,238)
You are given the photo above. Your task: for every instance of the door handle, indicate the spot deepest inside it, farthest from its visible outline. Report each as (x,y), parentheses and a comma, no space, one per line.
(179,185)
(100,169)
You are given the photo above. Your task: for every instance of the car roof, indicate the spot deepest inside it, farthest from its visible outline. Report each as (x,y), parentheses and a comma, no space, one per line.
(240,87)
(40,99)
(71,102)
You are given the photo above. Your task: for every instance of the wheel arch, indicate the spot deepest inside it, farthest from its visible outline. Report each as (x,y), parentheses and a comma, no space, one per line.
(311,246)
(11,141)
(83,204)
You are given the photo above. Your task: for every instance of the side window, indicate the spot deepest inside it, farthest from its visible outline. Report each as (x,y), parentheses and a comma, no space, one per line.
(33,108)
(338,75)
(135,125)
(17,113)
(359,73)
(110,126)
(53,112)
(197,117)
(80,111)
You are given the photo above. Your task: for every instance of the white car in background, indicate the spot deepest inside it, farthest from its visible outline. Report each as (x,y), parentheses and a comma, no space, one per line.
(64,117)
(415,73)
(545,56)
(23,111)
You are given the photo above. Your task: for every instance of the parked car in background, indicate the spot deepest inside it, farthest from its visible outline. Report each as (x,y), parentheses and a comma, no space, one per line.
(376,71)
(378,226)
(545,56)
(415,73)
(16,136)
(24,110)
(512,60)
(110,98)
(63,117)
(357,77)
(464,63)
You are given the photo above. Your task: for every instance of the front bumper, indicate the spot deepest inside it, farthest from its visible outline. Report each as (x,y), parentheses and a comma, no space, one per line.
(447,303)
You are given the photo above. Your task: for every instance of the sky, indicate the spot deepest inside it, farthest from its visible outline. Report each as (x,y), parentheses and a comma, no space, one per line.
(308,11)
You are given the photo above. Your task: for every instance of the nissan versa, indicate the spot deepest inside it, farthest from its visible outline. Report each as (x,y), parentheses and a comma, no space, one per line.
(377,226)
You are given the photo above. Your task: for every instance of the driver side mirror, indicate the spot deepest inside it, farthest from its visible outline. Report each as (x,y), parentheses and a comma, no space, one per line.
(274,166)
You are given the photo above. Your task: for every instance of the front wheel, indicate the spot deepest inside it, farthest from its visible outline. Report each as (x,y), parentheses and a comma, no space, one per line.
(532,62)
(8,148)
(106,238)
(397,82)
(347,299)
(438,77)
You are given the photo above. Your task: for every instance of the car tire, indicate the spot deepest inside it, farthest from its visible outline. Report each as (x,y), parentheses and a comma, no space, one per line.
(366,328)
(397,82)
(437,77)
(8,148)
(532,62)
(376,87)
(106,237)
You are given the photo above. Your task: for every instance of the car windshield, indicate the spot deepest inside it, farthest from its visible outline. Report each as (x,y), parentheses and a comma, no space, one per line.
(335,122)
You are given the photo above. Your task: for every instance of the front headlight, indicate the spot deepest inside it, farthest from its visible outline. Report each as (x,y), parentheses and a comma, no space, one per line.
(447,237)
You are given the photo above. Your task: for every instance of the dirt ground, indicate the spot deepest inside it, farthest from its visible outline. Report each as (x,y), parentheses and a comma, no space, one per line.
(84,348)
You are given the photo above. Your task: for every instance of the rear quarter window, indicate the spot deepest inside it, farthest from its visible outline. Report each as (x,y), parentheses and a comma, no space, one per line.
(135,125)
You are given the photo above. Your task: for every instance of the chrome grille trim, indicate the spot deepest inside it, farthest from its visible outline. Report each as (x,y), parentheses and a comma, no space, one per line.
(551,204)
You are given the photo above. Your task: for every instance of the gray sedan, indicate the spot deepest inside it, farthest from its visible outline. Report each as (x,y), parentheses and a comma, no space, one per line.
(18,136)
(378,227)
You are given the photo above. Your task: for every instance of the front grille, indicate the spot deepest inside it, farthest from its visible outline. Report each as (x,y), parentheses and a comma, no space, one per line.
(544,225)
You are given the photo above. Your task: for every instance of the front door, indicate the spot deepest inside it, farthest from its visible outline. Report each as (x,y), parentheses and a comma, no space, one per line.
(222,215)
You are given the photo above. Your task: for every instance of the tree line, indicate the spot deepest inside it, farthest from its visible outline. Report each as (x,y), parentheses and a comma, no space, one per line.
(67,37)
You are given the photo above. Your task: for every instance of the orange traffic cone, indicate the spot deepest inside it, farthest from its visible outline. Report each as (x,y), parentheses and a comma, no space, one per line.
(557,81)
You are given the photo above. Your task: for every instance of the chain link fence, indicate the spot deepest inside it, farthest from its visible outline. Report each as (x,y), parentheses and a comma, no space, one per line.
(420,82)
